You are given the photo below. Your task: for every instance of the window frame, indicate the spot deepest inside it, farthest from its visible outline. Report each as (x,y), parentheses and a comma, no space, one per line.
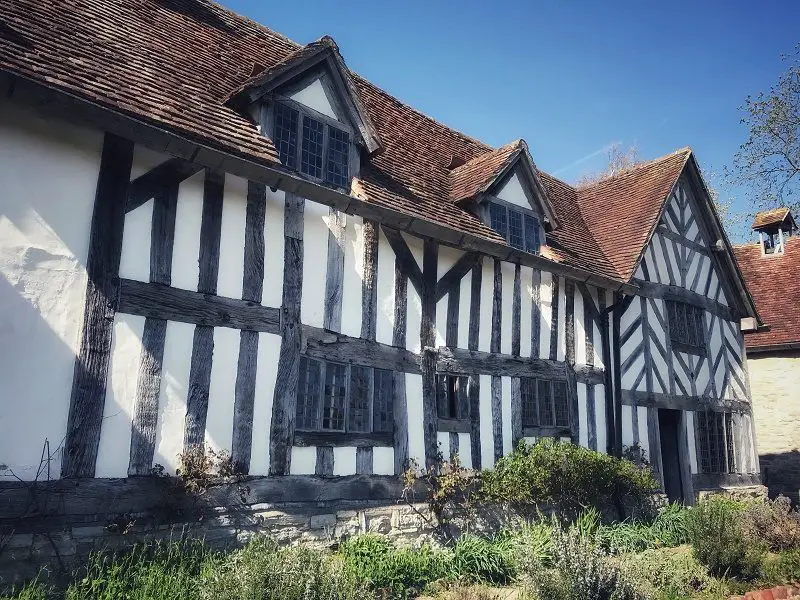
(523,211)
(716,442)
(683,344)
(346,436)
(353,161)
(554,428)
(461,421)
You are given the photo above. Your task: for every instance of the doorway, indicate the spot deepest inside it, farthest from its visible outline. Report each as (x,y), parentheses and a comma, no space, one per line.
(668,428)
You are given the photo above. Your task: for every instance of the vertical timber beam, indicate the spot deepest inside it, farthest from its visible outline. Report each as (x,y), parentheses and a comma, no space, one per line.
(87,397)
(474,380)
(516,309)
(427,334)
(334,274)
(400,406)
(369,285)
(617,404)
(285,397)
(554,320)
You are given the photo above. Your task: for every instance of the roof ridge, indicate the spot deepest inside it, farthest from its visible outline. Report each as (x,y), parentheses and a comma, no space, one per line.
(637,167)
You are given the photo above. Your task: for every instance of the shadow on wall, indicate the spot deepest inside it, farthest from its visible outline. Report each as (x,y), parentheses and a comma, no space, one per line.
(781,474)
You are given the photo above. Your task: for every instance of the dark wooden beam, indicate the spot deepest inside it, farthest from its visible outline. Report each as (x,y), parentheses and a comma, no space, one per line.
(87,397)
(400,408)
(680,402)
(714,481)
(369,283)
(516,411)
(404,256)
(162,235)
(516,312)
(591,418)
(364,460)
(451,329)
(244,401)
(334,273)
(285,395)
(173,304)
(473,391)
(456,273)
(497,416)
(569,320)
(427,334)
(683,241)
(253,277)
(326,345)
(475,306)
(158,179)
(324,461)
(473,362)
(649,289)
(554,320)
(497,307)
(342,439)
(194,429)
(210,232)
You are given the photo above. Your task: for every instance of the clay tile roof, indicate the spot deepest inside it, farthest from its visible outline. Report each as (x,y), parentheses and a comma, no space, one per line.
(774,284)
(477,175)
(621,211)
(770,217)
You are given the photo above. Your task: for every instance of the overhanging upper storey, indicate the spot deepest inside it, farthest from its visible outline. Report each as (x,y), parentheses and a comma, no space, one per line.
(504,189)
(308,105)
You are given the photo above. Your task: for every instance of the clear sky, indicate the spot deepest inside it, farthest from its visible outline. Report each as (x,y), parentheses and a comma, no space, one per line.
(569,77)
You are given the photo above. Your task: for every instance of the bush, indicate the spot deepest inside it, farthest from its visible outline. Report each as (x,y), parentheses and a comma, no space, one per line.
(580,569)
(567,477)
(399,572)
(668,571)
(782,568)
(164,570)
(262,569)
(30,591)
(478,560)
(667,530)
(720,542)
(774,522)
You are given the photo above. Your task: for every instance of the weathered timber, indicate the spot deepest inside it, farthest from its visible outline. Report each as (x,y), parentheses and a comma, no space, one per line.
(684,460)
(364,460)
(404,257)
(400,407)
(334,273)
(162,235)
(635,423)
(497,416)
(683,241)
(87,397)
(608,383)
(210,232)
(497,307)
(458,361)
(620,306)
(569,320)
(172,304)
(475,306)
(339,438)
(285,396)
(554,320)
(473,390)
(553,432)
(672,292)
(591,418)
(244,401)
(454,445)
(148,388)
(166,175)
(327,345)
(453,425)
(672,279)
(453,301)
(681,402)
(516,309)
(648,355)
(324,465)
(654,439)
(711,481)
(536,313)
(456,273)
(369,283)
(516,411)
(199,387)
(591,317)
(572,392)
(427,334)
(253,277)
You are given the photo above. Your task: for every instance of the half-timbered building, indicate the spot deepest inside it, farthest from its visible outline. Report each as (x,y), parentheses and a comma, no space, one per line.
(212,235)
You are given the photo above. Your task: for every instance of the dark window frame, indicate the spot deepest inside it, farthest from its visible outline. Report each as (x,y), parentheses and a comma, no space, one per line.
(687,327)
(530,224)
(545,407)
(715,442)
(318,400)
(332,169)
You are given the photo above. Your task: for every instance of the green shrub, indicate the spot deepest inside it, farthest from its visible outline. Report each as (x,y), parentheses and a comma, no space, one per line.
(478,560)
(719,539)
(30,591)
(531,546)
(782,568)
(667,530)
(164,570)
(263,569)
(775,522)
(400,572)
(668,571)
(567,477)
(580,569)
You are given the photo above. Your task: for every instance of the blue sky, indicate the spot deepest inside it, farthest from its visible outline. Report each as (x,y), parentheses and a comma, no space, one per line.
(570,78)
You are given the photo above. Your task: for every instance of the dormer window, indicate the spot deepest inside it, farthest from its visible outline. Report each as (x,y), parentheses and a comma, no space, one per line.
(324,149)
(518,226)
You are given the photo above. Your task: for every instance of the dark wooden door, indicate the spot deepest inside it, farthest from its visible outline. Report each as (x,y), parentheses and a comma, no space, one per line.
(669,426)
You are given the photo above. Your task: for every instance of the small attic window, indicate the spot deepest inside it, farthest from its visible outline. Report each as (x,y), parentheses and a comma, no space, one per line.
(519,227)
(323,151)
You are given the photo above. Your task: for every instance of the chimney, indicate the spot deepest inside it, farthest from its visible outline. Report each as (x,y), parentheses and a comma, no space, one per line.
(773,227)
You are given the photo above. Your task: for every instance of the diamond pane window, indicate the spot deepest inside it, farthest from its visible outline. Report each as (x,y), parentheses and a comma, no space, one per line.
(686,326)
(285,134)
(561,403)
(359,417)
(546,415)
(334,397)
(530,410)
(313,140)
(715,442)
(515,237)
(498,218)
(531,234)
(308,390)
(338,153)
(383,401)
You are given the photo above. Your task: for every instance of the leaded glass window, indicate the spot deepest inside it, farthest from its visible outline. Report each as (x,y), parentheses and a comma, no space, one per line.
(313,140)
(686,326)
(452,400)
(518,227)
(546,412)
(285,135)
(531,234)
(515,236)
(545,403)
(308,390)
(338,153)
(383,401)
(360,394)
(715,442)
(334,396)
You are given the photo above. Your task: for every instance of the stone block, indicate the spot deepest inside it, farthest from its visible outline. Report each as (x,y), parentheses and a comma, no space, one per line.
(322,521)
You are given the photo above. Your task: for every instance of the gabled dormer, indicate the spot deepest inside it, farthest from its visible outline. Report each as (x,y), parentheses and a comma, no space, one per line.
(773,227)
(308,106)
(504,189)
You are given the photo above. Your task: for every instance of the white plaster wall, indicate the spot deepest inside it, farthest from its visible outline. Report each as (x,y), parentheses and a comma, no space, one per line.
(513,192)
(580,328)
(416,437)
(303,460)
(273,249)
(115,433)
(344,460)
(314,96)
(506,306)
(508,439)
(49,173)
(546,302)
(629,377)
(353,276)
(583,418)
(269,346)
(447,258)
(600,417)
(443,442)
(188,218)
(627,425)
(135,258)
(414,303)
(315,264)
(660,260)
(465,299)
(383,460)
(487,434)
(689,418)
(598,293)
(232,237)
(526,303)
(487,299)
(641,415)
(465,450)
(174,391)
(222,389)
(562,321)
(384,330)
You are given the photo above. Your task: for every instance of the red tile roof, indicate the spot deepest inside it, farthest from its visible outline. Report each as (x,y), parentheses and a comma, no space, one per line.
(770,217)
(774,282)
(174,63)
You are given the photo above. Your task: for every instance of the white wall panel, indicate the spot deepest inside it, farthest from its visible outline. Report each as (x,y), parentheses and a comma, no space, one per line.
(546,297)
(269,346)
(383,460)
(513,192)
(273,249)
(583,419)
(315,264)
(222,389)
(353,276)
(344,460)
(562,320)
(416,437)
(443,443)
(526,303)
(600,417)
(115,433)
(465,299)
(580,328)
(465,450)
(135,259)
(487,298)
(173,394)
(627,425)
(303,460)
(508,439)
(690,433)
(630,376)
(487,435)
(231,245)
(506,323)
(385,322)
(314,96)
(188,219)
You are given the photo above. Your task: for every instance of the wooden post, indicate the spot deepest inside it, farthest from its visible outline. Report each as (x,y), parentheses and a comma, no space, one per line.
(369,285)
(87,398)
(427,336)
